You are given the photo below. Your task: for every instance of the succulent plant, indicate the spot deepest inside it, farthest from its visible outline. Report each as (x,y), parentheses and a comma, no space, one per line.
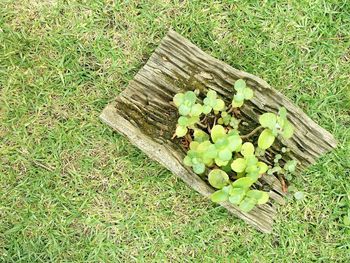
(232,166)
(242,93)
(212,102)
(274,125)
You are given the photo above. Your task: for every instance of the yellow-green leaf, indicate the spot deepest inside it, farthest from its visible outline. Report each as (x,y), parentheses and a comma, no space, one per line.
(240,84)
(268,120)
(288,130)
(181,131)
(247,204)
(266,139)
(244,182)
(236,195)
(218,178)
(178,99)
(248,93)
(239,165)
(220,105)
(219,196)
(237,104)
(261,197)
(247,149)
(262,167)
(217,132)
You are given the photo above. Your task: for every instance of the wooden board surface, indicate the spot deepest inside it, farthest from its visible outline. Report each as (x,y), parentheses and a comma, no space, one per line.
(144,114)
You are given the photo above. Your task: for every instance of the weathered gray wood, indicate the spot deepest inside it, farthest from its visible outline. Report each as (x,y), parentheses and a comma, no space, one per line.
(142,112)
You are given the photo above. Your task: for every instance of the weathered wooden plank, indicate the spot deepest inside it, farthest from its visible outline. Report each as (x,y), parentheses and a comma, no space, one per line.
(143,113)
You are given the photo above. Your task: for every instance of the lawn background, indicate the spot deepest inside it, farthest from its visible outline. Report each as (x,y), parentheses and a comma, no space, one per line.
(73,190)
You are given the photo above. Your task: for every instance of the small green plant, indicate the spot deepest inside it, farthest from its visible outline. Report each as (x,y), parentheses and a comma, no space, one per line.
(230,160)
(211,102)
(242,93)
(274,125)
(228,120)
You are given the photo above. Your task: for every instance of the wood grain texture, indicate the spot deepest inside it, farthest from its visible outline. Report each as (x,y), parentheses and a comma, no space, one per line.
(144,114)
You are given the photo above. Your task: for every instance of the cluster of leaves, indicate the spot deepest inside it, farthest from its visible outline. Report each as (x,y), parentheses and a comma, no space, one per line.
(189,111)
(237,192)
(242,93)
(228,120)
(274,125)
(216,147)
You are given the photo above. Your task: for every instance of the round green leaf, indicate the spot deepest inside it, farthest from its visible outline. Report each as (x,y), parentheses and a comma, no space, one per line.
(282,112)
(240,84)
(206,109)
(183,121)
(299,195)
(288,130)
(266,139)
(251,160)
(253,175)
(261,197)
(184,110)
(211,152)
(239,165)
(236,195)
(225,155)
(181,131)
(252,169)
(268,120)
(290,166)
(244,182)
(217,132)
(221,143)
(218,178)
(196,110)
(235,142)
(227,188)
(262,167)
(211,94)
(247,149)
(187,161)
(219,105)
(190,96)
(178,99)
(220,162)
(199,168)
(194,145)
(237,104)
(247,204)
(219,196)
(239,97)
(200,136)
(203,147)
(192,120)
(248,93)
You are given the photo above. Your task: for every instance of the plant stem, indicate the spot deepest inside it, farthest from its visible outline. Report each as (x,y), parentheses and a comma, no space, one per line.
(201,125)
(214,122)
(246,136)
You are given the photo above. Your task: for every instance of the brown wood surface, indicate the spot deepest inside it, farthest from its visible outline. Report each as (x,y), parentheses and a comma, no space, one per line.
(144,114)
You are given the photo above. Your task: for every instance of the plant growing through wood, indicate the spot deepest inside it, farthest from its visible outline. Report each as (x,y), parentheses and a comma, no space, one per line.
(211,134)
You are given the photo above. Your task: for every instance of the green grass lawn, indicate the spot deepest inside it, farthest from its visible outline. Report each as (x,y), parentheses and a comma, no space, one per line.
(73,190)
